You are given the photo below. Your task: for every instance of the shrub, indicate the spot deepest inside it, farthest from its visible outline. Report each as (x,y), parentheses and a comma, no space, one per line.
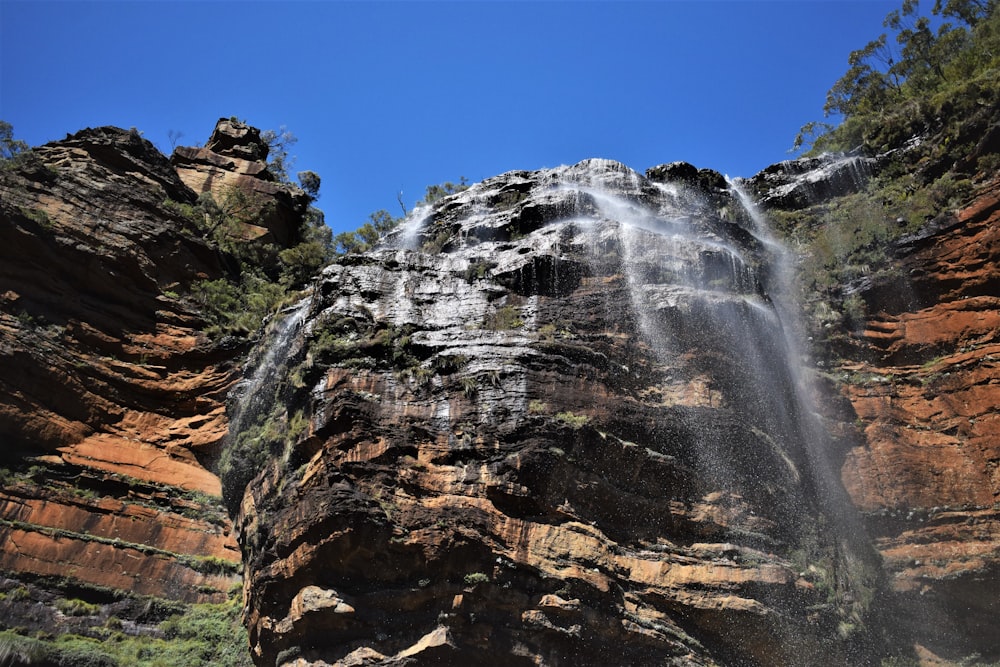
(573,420)
(537,407)
(76,607)
(503,318)
(474,578)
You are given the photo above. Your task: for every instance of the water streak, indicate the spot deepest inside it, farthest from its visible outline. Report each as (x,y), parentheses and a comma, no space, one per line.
(252,396)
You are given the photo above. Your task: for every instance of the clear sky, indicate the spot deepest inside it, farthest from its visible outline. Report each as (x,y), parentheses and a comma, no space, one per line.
(388,97)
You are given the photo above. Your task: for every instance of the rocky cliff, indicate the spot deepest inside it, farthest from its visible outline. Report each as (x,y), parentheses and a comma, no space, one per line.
(915,357)
(562,417)
(112,398)
(555,420)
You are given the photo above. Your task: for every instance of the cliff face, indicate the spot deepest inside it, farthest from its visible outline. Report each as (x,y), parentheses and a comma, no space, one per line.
(917,364)
(925,385)
(554,421)
(111,397)
(558,418)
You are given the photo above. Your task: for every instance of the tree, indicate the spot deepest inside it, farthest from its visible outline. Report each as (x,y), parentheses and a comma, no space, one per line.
(173,136)
(9,146)
(278,142)
(309,181)
(435,192)
(895,89)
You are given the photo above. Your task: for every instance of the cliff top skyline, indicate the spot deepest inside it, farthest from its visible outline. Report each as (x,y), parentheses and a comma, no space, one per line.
(387,98)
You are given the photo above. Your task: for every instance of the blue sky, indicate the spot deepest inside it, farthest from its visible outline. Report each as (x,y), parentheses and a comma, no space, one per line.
(388,97)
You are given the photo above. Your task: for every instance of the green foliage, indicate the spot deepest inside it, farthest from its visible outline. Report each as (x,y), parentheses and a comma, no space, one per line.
(474,578)
(10,147)
(203,635)
(503,318)
(450,363)
(381,222)
(38,216)
(20,594)
(436,243)
(302,261)
(478,270)
(914,79)
(572,419)
(249,453)
(278,143)
(469,387)
(849,239)
(365,237)
(237,308)
(213,565)
(309,181)
(263,275)
(537,407)
(442,190)
(77,607)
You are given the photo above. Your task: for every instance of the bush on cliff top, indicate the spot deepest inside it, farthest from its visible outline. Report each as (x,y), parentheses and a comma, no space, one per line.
(916,80)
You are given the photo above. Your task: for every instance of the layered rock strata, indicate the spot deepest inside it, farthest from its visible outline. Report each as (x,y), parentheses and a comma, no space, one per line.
(234,160)
(925,386)
(111,396)
(553,422)
(919,367)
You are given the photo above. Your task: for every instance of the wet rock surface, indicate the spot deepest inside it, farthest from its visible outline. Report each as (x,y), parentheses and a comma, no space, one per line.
(925,385)
(532,430)
(918,369)
(553,420)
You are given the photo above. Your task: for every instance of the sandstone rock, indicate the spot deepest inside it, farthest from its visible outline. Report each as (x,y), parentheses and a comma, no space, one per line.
(924,383)
(545,444)
(236,139)
(235,158)
(108,388)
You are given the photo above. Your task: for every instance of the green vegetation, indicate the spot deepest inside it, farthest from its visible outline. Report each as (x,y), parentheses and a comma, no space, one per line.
(203,564)
(202,635)
(77,607)
(922,95)
(262,276)
(917,81)
(364,238)
(572,419)
(504,318)
(10,147)
(278,144)
(537,407)
(474,578)
(382,222)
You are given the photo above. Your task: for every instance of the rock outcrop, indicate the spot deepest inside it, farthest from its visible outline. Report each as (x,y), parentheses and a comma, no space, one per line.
(553,422)
(235,160)
(918,367)
(557,418)
(925,385)
(112,399)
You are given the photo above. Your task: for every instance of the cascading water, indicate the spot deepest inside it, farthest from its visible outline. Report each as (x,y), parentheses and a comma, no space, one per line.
(253,392)
(813,435)
(593,380)
(252,399)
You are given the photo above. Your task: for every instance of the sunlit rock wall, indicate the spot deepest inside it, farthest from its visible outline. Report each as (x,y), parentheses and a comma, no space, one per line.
(553,421)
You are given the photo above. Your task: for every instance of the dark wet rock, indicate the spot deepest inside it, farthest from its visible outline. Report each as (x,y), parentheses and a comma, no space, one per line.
(795,184)
(530,430)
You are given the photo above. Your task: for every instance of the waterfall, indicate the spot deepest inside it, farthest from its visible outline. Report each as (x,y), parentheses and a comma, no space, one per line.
(250,402)
(863,563)
(254,393)
(578,351)
(407,236)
